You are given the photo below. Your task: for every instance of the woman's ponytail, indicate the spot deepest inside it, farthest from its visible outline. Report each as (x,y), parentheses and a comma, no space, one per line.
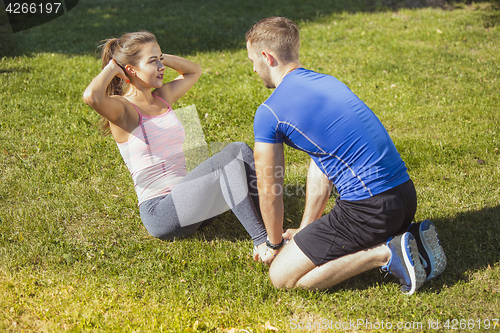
(115,87)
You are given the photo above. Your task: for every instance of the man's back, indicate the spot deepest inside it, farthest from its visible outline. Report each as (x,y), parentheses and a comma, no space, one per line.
(320,115)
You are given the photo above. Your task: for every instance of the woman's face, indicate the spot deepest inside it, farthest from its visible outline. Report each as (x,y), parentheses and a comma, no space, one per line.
(149,70)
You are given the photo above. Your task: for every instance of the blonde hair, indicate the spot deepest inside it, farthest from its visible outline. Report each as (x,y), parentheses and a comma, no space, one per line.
(277,34)
(124,50)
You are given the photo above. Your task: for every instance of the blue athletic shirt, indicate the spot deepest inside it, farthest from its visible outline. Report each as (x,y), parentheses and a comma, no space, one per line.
(318,114)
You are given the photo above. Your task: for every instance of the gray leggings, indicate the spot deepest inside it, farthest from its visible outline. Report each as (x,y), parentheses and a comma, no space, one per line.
(225,181)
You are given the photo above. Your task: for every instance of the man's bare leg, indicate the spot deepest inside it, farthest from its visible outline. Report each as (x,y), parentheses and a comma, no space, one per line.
(292,268)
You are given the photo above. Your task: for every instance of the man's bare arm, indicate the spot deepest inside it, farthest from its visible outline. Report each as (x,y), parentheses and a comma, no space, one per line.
(269,166)
(318,191)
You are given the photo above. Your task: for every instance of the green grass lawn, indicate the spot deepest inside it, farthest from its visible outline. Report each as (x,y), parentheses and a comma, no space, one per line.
(74,255)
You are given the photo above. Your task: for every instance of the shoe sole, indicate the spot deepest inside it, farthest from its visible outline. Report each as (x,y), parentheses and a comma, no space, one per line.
(412,262)
(433,248)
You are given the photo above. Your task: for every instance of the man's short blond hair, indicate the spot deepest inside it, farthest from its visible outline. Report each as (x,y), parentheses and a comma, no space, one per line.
(277,34)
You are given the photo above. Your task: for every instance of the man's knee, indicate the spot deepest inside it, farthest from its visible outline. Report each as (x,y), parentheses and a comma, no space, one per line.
(278,278)
(281,274)
(290,266)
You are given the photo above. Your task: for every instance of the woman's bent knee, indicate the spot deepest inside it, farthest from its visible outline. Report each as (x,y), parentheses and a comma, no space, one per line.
(239,147)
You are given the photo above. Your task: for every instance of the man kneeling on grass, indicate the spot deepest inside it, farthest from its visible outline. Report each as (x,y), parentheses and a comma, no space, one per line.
(370,224)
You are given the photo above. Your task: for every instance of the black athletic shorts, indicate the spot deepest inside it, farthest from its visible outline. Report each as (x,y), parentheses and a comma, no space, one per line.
(352,226)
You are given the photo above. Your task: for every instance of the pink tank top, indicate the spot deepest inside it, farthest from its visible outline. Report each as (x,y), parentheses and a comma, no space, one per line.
(153,154)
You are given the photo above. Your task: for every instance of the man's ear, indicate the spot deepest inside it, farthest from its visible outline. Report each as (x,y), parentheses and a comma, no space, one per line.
(270,59)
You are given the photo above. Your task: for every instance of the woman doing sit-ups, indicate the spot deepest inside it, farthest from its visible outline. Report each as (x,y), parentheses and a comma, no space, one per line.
(135,104)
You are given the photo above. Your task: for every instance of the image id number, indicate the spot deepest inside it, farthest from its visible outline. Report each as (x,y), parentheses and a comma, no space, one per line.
(463,324)
(33,8)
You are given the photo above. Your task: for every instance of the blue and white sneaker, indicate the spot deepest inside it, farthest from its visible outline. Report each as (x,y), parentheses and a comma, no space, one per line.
(405,263)
(429,248)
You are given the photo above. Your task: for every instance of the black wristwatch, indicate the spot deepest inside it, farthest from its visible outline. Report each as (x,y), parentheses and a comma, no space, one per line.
(275,246)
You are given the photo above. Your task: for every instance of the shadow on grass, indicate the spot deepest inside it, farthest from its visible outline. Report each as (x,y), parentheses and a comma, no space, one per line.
(471,242)
(491,19)
(14,70)
(181,26)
